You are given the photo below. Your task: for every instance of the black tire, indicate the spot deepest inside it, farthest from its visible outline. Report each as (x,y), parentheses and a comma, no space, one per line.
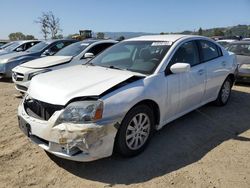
(221,101)
(121,144)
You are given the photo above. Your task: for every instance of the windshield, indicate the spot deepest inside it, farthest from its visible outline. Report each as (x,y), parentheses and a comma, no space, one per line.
(73,49)
(240,49)
(136,56)
(13,46)
(38,47)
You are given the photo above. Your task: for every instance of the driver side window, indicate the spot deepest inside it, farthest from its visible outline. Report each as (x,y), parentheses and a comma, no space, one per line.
(187,53)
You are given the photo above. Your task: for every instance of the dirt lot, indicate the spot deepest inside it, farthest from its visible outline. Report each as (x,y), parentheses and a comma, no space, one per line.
(209,147)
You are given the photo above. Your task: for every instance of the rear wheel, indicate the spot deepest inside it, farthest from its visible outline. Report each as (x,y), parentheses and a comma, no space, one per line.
(224,93)
(135,131)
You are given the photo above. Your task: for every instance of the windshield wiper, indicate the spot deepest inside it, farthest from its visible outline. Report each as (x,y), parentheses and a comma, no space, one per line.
(114,67)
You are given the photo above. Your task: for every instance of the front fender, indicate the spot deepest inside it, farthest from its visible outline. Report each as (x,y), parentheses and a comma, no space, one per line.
(120,101)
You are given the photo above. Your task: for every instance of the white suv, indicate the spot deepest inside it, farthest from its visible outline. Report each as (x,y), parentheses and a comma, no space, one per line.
(74,54)
(139,85)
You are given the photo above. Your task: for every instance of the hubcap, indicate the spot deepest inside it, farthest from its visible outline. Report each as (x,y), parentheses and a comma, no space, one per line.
(225,91)
(138,131)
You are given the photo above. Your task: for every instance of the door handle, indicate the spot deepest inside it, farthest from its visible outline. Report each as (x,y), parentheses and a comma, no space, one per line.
(201,71)
(224,63)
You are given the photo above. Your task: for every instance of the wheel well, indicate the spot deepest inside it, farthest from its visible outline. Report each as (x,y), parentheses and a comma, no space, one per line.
(153,105)
(232,78)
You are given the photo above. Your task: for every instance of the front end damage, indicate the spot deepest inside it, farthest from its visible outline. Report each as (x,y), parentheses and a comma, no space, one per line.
(78,142)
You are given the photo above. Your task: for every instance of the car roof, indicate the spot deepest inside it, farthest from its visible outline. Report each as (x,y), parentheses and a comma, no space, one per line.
(241,42)
(25,41)
(57,40)
(226,40)
(170,38)
(91,41)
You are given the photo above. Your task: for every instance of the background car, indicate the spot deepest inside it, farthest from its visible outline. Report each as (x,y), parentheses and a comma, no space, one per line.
(18,46)
(2,43)
(77,53)
(242,50)
(120,97)
(6,45)
(42,49)
(225,42)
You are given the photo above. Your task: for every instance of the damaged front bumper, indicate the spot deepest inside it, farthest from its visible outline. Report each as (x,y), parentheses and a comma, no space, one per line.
(78,142)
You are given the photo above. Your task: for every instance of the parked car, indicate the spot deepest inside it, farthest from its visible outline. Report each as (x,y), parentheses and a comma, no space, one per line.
(3,42)
(74,54)
(242,50)
(44,48)
(18,46)
(121,96)
(225,42)
(6,45)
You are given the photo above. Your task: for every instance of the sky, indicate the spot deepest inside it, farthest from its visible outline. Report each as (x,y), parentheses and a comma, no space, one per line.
(152,16)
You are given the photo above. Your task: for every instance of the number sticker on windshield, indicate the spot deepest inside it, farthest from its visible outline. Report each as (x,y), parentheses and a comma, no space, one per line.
(84,44)
(166,43)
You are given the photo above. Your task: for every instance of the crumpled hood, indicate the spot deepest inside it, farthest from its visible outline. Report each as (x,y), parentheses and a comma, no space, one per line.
(13,55)
(60,86)
(47,62)
(243,59)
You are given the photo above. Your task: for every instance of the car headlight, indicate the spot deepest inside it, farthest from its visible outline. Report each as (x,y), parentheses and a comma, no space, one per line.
(81,112)
(4,61)
(245,66)
(31,75)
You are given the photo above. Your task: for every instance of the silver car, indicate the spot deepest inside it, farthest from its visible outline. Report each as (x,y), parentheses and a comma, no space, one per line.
(18,46)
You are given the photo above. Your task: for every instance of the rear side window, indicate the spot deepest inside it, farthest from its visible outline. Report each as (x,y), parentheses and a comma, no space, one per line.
(99,48)
(58,47)
(209,50)
(187,53)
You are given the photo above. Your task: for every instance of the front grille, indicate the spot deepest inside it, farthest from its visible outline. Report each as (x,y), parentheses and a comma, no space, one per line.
(18,76)
(39,109)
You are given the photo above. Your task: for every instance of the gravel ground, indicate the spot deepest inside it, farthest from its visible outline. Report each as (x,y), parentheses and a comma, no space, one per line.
(209,147)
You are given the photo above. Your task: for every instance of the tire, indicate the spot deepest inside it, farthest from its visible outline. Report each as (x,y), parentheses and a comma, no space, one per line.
(132,138)
(224,93)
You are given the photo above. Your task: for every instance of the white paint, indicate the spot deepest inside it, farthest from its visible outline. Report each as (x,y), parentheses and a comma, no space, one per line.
(175,94)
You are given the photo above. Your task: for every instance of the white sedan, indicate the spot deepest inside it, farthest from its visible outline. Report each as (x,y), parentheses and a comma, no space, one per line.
(120,97)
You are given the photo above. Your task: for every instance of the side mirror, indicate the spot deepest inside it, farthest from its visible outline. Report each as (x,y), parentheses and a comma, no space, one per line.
(19,49)
(88,56)
(180,68)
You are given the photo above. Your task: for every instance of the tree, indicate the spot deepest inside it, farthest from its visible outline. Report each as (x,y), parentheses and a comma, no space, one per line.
(100,35)
(49,24)
(218,32)
(17,36)
(200,32)
(60,36)
(162,33)
(121,38)
(29,37)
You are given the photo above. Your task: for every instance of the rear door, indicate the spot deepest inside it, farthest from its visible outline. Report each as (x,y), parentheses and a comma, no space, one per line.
(215,65)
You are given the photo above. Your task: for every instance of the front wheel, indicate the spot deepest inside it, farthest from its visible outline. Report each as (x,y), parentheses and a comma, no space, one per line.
(135,131)
(224,93)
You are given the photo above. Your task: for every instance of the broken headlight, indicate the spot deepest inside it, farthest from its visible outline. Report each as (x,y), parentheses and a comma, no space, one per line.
(81,112)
